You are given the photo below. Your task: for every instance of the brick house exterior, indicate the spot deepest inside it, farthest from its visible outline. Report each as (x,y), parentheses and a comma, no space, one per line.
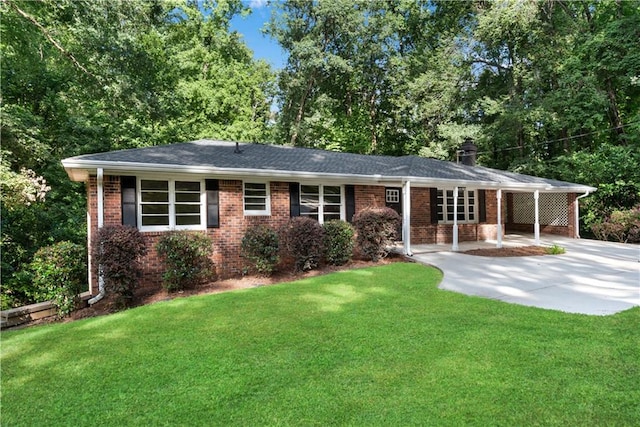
(123,188)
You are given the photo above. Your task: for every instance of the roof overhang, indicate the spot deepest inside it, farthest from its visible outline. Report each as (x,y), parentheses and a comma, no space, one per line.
(80,170)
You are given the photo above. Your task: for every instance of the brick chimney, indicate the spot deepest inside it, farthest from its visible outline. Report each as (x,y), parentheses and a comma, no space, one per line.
(468,152)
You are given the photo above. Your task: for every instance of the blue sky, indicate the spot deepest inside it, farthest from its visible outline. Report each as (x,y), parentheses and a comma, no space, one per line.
(263,47)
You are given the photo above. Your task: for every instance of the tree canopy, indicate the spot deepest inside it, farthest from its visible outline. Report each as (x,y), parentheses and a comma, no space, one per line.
(545,87)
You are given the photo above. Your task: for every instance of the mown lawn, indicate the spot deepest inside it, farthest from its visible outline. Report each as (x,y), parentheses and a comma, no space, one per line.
(378,346)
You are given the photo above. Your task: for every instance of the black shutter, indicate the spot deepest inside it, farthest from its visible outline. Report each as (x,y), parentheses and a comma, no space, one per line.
(294,199)
(433,202)
(129,205)
(482,206)
(350,195)
(213,203)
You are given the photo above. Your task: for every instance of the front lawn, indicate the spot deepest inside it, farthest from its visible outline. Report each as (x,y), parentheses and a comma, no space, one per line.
(377,346)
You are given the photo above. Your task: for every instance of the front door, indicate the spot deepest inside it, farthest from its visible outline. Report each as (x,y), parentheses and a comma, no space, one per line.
(393,200)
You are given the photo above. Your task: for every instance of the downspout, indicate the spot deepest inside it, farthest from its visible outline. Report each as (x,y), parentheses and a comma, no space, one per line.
(577,224)
(100,196)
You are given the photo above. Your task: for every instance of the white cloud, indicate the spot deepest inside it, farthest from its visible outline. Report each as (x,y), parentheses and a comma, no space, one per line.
(257,4)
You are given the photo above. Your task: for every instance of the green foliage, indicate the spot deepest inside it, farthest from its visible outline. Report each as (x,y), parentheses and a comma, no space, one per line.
(59,274)
(620,226)
(116,257)
(555,250)
(376,231)
(302,238)
(260,245)
(338,242)
(187,257)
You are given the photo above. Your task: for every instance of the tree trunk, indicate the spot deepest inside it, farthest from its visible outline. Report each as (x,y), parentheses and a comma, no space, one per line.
(614,113)
(300,113)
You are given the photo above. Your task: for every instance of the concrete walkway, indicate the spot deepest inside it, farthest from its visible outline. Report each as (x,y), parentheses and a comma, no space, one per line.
(592,277)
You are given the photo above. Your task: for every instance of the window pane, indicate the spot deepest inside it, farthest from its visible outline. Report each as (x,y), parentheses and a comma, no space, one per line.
(188,186)
(146,184)
(253,192)
(255,186)
(155,220)
(255,207)
(329,217)
(187,197)
(309,200)
(181,209)
(331,190)
(188,220)
(332,209)
(154,197)
(308,209)
(254,201)
(155,209)
(332,199)
(309,189)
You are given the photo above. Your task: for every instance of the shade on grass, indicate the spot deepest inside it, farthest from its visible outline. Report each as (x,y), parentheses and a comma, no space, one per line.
(377,346)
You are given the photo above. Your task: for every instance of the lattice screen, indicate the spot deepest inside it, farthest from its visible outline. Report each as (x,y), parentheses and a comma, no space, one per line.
(553,209)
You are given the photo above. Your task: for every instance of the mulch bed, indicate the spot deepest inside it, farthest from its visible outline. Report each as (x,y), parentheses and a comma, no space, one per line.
(509,252)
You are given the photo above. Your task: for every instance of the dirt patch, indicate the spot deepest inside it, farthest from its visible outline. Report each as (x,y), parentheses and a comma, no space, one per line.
(509,252)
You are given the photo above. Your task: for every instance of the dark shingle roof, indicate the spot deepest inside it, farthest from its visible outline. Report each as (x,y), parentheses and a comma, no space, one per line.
(222,156)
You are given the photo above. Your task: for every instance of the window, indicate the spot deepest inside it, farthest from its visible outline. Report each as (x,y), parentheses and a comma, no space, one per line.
(466,205)
(171,204)
(256,198)
(392,195)
(321,202)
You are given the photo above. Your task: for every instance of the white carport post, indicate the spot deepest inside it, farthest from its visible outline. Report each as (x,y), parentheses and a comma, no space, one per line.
(536,223)
(499,229)
(406,217)
(454,247)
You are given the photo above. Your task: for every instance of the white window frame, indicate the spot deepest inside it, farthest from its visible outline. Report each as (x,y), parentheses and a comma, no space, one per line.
(392,195)
(253,212)
(172,204)
(462,207)
(343,207)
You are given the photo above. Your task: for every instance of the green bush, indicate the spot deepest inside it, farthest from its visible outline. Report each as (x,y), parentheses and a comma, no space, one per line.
(338,242)
(620,226)
(302,237)
(377,231)
(116,254)
(59,274)
(188,259)
(261,245)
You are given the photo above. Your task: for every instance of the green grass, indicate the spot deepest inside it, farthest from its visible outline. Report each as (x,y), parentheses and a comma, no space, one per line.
(378,346)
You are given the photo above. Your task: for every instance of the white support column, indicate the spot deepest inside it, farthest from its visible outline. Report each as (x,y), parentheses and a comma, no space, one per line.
(100,195)
(406,218)
(536,224)
(454,247)
(499,224)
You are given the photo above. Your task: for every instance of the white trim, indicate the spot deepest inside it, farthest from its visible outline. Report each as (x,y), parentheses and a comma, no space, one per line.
(171,186)
(454,246)
(100,196)
(406,218)
(499,221)
(79,169)
(267,209)
(321,186)
(465,206)
(536,222)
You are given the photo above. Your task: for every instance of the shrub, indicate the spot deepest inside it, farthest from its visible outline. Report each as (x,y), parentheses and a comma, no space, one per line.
(377,230)
(59,274)
(620,226)
(338,242)
(302,237)
(555,250)
(187,257)
(116,254)
(261,245)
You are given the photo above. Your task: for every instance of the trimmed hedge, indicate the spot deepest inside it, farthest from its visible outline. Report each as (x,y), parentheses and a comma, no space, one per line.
(377,231)
(117,254)
(59,274)
(188,259)
(302,237)
(338,242)
(261,245)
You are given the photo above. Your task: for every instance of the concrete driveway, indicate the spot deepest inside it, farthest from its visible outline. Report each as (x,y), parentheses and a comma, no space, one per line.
(592,277)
